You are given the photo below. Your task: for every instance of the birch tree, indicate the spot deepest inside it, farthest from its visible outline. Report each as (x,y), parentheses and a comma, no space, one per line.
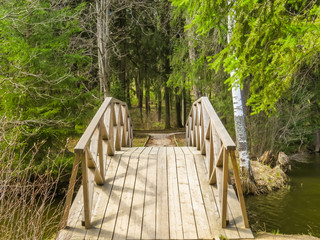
(239,121)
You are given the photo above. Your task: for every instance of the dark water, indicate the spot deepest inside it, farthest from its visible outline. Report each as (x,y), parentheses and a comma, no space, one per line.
(295,210)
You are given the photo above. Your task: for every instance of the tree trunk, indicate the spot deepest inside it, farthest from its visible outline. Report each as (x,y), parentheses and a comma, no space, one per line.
(192,59)
(159,105)
(317,141)
(178,109)
(239,122)
(139,94)
(167,105)
(103,35)
(184,107)
(147,96)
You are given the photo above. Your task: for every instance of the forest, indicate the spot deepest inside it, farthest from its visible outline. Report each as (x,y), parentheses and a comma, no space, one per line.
(59,59)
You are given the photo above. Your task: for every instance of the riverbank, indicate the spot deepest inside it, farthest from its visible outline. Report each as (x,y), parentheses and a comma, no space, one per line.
(293,209)
(270,236)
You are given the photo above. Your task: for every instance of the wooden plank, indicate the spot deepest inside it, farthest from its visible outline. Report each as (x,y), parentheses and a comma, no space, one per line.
(231,231)
(72,182)
(175,221)
(109,122)
(79,231)
(162,217)
(213,177)
(224,190)
(239,189)
(136,215)
(101,156)
(149,214)
(208,197)
(86,136)
(222,132)
(200,215)
(188,221)
(87,189)
(74,215)
(105,192)
(121,226)
(109,220)
(220,157)
(235,211)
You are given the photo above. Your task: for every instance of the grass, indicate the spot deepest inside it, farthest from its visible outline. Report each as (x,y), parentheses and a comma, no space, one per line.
(28,208)
(140,140)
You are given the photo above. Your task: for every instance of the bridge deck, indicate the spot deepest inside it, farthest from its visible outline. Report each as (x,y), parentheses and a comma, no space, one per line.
(156,193)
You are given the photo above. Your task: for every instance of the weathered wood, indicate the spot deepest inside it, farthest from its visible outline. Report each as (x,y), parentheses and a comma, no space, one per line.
(121,227)
(201,220)
(239,189)
(72,182)
(224,189)
(85,138)
(92,150)
(235,211)
(115,197)
(222,132)
(176,231)
(72,218)
(162,224)
(188,221)
(87,199)
(136,215)
(132,205)
(208,198)
(206,132)
(105,192)
(149,219)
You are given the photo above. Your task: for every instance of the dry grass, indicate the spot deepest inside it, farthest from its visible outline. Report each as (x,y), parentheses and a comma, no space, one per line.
(268,179)
(27,206)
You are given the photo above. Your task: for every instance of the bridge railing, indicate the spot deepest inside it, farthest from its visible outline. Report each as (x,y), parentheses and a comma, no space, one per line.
(205,131)
(109,130)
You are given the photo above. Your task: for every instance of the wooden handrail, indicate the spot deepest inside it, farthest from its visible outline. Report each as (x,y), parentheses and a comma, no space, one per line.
(109,130)
(205,131)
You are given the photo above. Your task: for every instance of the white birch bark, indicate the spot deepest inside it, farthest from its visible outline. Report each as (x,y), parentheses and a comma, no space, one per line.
(240,127)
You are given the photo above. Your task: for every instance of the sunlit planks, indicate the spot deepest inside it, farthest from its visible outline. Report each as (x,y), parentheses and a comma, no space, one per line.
(156,193)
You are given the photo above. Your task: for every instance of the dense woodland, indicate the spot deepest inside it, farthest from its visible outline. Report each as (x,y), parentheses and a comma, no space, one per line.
(59,59)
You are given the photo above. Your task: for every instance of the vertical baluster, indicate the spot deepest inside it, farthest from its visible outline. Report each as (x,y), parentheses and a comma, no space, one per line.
(100,154)
(109,116)
(239,188)
(72,183)
(224,189)
(86,191)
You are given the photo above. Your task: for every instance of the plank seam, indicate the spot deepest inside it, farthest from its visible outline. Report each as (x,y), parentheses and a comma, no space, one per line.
(192,204)
(176,163)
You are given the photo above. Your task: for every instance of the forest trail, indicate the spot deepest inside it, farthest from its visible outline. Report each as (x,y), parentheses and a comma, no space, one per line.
(161,139)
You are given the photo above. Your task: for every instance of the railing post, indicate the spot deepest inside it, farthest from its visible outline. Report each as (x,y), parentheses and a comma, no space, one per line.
(86,191)
(108,124)
(239,189)
(101,156)
(205,131)
(72,182)
(224,189)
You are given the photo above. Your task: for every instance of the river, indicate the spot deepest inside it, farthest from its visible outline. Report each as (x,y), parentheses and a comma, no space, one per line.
(295,210)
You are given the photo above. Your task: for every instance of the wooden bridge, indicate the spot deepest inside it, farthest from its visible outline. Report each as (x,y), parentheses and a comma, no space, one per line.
(155,192)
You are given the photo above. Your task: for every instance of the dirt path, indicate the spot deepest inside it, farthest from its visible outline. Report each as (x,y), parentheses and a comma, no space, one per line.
(161,139)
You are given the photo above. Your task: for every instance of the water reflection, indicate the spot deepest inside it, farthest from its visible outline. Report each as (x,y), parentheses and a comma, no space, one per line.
(294,210)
